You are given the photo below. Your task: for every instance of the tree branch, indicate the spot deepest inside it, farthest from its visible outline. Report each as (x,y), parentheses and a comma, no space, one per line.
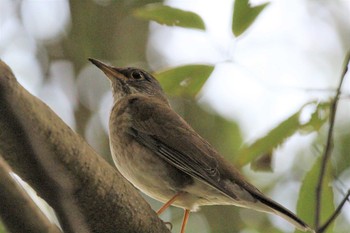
(87,194)
(329,144)
(335,214)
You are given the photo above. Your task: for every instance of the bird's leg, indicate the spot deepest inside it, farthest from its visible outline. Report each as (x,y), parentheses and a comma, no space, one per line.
(167,204)
(171,201)
(184,221)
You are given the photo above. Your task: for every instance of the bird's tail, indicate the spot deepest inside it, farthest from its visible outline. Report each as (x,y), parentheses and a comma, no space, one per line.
(271,206)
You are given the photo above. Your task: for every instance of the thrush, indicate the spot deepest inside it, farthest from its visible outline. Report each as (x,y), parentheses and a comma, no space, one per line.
(164,157)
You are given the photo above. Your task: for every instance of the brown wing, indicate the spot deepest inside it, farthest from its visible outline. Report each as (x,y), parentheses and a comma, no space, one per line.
(171,138)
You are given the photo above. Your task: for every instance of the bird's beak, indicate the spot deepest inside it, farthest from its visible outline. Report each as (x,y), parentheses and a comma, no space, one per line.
(110,71)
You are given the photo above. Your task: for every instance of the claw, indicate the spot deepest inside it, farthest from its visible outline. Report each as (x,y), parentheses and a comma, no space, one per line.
(169,225)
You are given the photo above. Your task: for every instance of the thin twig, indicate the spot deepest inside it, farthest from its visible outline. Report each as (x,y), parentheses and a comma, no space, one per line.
(329,143)
(335,214)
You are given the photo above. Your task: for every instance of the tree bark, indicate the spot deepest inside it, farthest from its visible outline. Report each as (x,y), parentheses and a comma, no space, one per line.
(87,194)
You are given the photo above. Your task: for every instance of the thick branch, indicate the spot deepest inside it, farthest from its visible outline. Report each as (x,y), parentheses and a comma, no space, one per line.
(329,143)
(87,194)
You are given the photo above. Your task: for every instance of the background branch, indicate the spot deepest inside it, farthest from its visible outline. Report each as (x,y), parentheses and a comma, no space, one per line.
(329,143)
(87,194)
(335,214)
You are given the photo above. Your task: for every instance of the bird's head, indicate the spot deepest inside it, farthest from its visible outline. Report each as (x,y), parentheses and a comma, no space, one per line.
(128,81)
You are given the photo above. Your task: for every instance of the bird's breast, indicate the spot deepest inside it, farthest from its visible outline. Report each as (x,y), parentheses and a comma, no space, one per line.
(142,166)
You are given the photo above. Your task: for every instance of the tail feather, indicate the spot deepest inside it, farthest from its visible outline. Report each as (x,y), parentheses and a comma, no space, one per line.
(274,207)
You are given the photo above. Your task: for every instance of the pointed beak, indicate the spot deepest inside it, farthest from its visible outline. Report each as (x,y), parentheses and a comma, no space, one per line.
(110,71)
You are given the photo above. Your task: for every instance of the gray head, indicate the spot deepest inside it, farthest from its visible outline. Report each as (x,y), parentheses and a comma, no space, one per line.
(128,81)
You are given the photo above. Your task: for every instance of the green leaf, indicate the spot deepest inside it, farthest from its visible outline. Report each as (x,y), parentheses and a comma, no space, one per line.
(274,138)
(290,126)
(170,16)
(244,15)
(307,201)
(184,80)
(317,119)
(341,158)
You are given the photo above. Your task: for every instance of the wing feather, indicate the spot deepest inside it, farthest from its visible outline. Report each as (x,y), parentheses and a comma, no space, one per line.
(163,131)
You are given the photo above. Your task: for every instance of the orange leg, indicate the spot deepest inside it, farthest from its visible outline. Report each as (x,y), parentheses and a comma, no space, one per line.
(171,201)
(184,221)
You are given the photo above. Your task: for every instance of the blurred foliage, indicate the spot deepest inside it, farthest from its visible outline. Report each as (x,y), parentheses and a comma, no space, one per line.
(2,227)
(342,158)
(266,144)
(244,15)
(106,32)
(170,16)
(263,162)
(184,80)
(223,218)
(117,32)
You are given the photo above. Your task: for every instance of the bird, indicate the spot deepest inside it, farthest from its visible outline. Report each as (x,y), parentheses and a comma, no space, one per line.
(157,151)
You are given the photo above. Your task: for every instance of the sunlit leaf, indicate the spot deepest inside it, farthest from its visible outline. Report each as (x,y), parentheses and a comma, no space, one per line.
(307,201)
(283,131)
(184,80)
(317,119)
(170,16)
(273,139)
(244,15)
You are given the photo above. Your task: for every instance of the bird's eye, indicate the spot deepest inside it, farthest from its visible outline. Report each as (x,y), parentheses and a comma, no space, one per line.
(137,75)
